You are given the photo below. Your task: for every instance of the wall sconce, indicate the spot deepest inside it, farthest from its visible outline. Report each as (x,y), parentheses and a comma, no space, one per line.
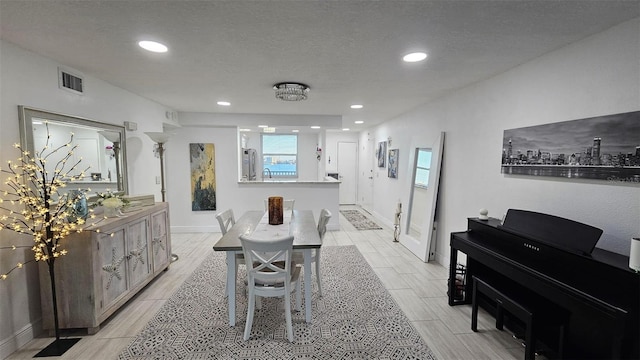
(108,150)
(114,137)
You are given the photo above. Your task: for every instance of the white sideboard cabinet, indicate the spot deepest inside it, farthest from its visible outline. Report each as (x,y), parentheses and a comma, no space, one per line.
(104,269)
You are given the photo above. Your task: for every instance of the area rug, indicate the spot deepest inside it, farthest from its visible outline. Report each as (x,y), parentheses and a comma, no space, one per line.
(356,318)
(359,220)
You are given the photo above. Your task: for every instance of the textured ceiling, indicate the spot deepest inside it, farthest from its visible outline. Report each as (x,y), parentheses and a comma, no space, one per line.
(347,51)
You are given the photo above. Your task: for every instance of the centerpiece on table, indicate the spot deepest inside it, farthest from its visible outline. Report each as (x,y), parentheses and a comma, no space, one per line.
(275,208)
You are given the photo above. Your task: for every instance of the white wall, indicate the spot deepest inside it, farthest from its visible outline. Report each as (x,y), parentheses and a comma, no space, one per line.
(596,76)
(32,80)
(230,194)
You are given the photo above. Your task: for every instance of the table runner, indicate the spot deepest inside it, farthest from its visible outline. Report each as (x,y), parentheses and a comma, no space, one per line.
(264,231)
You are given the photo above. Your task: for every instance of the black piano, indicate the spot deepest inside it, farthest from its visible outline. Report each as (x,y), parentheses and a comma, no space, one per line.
(556,258)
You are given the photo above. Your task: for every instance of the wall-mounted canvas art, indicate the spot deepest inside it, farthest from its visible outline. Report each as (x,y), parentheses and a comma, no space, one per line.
(203,176)
(603,148)
(392,170)
(382,153)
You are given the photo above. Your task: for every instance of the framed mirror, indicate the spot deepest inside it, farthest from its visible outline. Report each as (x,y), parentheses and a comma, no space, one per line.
(420,230)
(101,146)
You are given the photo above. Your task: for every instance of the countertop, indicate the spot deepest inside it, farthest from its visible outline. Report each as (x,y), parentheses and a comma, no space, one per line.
(327,180)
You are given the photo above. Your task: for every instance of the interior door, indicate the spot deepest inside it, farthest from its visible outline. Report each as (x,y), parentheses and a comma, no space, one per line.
(368,161)
(348,173)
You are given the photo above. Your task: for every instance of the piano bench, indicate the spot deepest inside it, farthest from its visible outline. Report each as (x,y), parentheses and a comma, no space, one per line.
(526,311)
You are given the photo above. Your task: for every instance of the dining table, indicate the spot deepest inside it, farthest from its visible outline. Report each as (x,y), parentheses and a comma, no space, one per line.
(299,223)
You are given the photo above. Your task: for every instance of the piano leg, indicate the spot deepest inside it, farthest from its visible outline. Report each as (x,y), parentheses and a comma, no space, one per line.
(474,307)
(453,261)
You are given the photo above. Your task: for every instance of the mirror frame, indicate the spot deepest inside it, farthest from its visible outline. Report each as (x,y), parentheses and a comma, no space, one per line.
(424,246)
(26,116)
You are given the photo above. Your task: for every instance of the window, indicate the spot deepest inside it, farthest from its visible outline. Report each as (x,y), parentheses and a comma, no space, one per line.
(280,155)
(423,167)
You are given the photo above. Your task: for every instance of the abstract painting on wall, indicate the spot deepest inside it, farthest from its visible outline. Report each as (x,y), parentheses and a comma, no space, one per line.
(203,176)
(392,170)
(602,148)
(382,153)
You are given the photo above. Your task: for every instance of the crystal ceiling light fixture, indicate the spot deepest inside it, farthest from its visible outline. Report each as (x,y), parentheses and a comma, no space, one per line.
(291,91)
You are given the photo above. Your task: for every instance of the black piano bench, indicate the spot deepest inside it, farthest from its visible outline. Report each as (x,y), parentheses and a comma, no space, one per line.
(527,312)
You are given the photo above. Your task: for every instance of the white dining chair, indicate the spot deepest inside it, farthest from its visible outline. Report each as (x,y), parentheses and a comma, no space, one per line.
(287,205)
(226,221)
(298,256)
(271,273)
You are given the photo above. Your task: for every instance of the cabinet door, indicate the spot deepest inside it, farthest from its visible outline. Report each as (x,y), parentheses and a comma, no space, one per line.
(161,246)
(112,267)
(138,264)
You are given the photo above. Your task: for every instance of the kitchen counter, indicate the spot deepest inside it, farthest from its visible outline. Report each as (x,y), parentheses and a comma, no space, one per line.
(327,181)
(308,194)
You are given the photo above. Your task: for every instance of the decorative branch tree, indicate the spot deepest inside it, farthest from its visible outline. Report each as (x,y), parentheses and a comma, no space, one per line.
(33,204)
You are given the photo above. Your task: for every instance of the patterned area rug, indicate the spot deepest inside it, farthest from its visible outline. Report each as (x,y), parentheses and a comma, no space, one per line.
(355,319)
(359,220)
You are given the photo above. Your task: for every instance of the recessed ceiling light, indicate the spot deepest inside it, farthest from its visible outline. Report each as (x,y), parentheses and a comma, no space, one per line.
(223,103)
(346,129)
(153,46)
(415,57)
(315,127)
(263,126)
(295,130)
(356,106)
(358,122)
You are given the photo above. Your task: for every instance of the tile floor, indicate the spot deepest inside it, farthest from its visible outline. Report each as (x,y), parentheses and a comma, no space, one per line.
(419,288)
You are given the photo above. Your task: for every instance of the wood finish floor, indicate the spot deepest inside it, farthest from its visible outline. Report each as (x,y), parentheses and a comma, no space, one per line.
(418,288)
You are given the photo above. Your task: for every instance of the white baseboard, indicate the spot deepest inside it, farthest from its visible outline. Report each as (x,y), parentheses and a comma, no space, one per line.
(19,339)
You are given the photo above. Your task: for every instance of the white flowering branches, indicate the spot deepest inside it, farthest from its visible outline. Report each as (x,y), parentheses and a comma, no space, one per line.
(32,202)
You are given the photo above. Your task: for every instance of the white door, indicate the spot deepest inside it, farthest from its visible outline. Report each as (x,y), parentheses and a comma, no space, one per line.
(348,172)
(368,158)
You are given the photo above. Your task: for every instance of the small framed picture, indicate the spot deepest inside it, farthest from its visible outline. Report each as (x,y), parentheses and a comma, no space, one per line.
(392,170)
(382,153)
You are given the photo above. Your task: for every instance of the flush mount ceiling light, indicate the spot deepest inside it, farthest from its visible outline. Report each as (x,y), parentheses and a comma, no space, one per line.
(356,106)
(415,57)
(291,91)
(153,46)
(224,103)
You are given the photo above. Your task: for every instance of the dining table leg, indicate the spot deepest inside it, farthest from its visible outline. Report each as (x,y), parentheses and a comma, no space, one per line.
(307,284)
(231,286)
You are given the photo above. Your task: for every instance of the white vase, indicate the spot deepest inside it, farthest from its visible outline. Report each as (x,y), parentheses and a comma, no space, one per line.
(111,211)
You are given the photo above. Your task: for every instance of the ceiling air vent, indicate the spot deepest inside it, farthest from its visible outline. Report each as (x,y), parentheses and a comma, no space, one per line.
(70,81)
